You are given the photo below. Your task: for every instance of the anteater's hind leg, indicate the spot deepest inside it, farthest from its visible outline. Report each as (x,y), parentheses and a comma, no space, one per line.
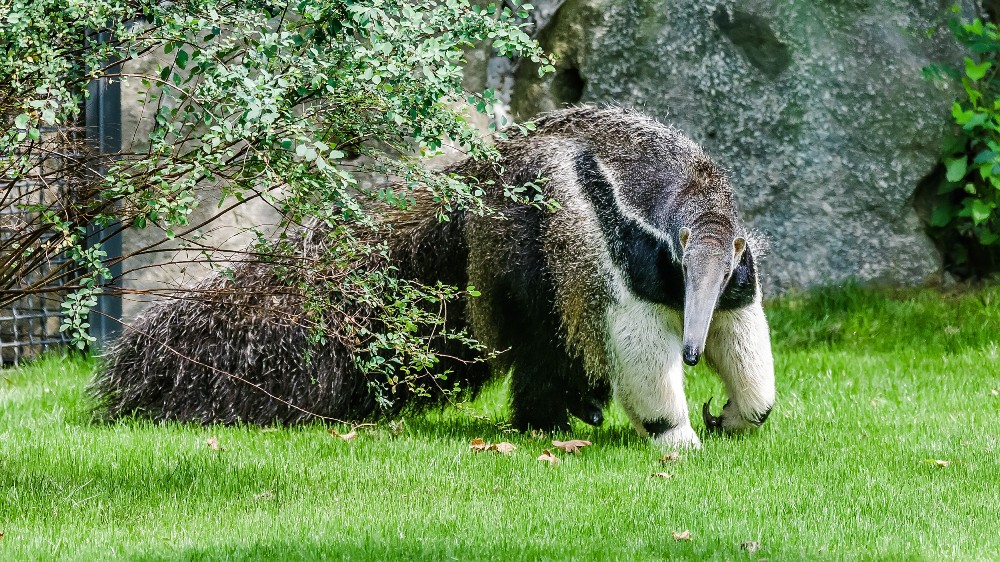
(645,354)
(586,400)
(739,349)
(547,383)
(538,398)
(519,307)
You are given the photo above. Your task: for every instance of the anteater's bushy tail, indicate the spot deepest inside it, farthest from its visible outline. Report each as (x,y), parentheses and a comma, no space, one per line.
(238,348)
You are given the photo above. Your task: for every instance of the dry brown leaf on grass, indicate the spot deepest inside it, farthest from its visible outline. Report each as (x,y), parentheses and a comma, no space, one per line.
(548,457)
(939,463)
(348,437)
(661,475)
(995,392)
(672,456)
(504,448)
(750,546)
(213,443)
(571,446)
(684,535)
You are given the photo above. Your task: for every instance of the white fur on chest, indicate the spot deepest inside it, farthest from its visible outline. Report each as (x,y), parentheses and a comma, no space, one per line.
(643,345)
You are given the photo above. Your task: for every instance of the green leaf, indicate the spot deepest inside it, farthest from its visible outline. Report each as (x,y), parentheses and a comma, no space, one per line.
(976,71)
(942,214)
(976,209)
(956,168)
(954,144)
(975,96)
(976,120)
(961,115)
(21,121)
(985,156)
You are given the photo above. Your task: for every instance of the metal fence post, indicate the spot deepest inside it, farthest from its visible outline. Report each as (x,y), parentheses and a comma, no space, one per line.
(103,114)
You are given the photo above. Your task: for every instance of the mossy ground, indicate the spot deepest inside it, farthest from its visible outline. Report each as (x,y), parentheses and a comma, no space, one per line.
(873,388)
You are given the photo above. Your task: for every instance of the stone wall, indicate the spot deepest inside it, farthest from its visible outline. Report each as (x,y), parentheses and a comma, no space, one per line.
(174,265)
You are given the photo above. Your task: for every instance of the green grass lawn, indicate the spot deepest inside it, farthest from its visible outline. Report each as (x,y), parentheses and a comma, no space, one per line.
(873,388)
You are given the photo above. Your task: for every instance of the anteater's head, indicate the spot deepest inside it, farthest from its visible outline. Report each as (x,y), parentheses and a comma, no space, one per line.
(710,255)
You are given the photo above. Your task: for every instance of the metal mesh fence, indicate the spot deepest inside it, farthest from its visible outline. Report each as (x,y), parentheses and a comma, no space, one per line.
(35,272)
(30,324)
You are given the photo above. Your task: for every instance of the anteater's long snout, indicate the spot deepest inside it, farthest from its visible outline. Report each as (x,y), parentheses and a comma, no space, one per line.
(702,286)
(692,354)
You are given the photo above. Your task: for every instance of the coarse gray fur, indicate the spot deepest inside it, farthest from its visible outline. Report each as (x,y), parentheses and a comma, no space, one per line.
(236,348)
(224,351)
(589,300)
(642,261)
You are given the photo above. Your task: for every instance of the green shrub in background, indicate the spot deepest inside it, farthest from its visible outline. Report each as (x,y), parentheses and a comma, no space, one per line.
(270,100)
(964,217)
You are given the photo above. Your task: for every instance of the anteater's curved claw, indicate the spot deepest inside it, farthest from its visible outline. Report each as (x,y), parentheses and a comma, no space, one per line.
(712,423)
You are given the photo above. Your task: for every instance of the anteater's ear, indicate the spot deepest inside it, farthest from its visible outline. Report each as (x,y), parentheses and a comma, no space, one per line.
(685,233)
(739,245)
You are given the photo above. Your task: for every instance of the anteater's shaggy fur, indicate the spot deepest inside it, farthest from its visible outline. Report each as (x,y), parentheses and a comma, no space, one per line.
(236,348)
(545,292)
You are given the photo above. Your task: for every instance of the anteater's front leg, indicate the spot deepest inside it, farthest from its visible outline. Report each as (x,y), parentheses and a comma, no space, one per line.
(648,375)
(739,349)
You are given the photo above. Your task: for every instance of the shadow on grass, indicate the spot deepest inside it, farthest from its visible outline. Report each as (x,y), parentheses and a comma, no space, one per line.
(450,422)
(424,548)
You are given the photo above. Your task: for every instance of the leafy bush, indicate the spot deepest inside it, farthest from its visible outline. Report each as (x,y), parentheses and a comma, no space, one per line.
(965,215)
(289,102)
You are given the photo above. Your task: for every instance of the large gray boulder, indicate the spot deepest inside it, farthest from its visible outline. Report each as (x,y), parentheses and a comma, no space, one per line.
(817,108)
